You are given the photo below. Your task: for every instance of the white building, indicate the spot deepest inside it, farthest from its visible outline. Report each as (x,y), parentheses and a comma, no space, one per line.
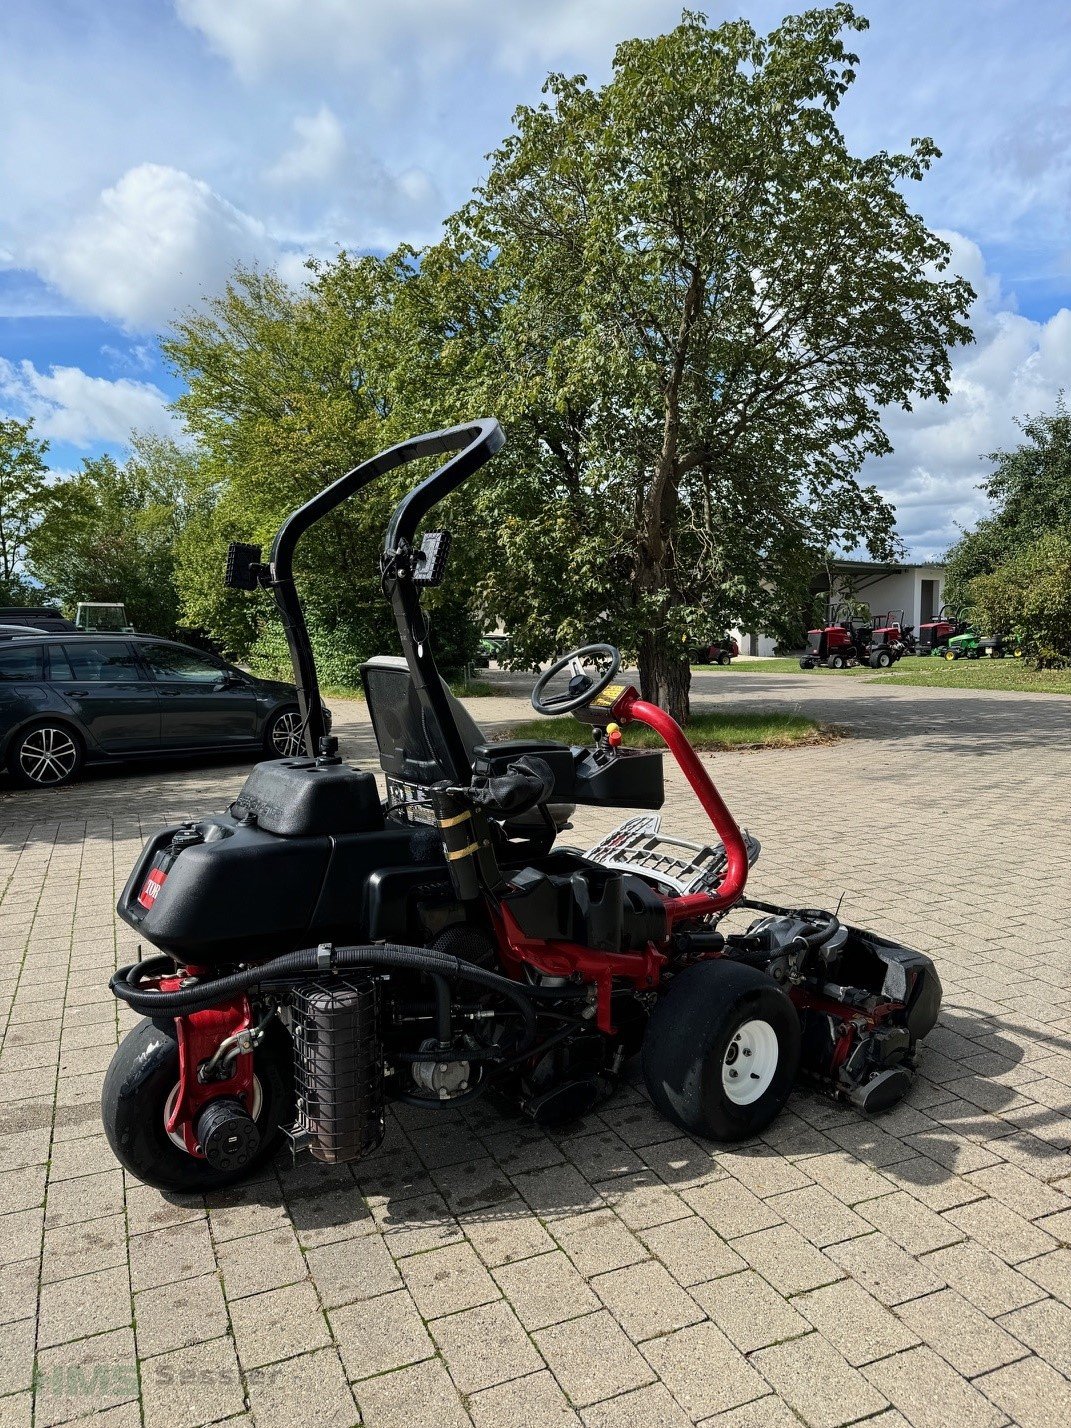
(886,586)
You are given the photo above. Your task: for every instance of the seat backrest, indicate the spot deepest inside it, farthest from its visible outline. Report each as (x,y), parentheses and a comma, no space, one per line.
(410,742)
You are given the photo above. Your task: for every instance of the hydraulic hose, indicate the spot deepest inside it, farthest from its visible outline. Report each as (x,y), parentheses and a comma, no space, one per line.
(126,982)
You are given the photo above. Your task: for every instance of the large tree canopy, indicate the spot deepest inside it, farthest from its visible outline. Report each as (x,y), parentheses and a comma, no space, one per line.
(687,302)
(691,303)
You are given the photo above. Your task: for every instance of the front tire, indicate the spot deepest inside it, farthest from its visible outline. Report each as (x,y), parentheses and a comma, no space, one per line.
(141,1078)
(48,755)
(284,735)
(725,658)
(722,1050)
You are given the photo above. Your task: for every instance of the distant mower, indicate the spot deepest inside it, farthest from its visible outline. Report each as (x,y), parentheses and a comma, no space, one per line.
(934,635)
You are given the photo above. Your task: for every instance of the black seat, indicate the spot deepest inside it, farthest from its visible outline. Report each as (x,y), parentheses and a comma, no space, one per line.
(411,747)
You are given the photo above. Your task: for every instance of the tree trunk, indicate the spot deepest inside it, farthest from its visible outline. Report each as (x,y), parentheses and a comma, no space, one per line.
(665,675)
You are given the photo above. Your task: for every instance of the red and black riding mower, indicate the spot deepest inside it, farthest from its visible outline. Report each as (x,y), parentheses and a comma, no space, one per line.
(722,651)
(844,642)
(887,641)
(934,635)
(323,951)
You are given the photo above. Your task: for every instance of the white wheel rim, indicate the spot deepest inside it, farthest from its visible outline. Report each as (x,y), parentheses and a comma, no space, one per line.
(48,755)
(750,1062)
(286,735)
(176,1136)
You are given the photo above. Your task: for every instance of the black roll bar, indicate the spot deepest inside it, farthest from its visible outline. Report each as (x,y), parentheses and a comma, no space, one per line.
(475,443)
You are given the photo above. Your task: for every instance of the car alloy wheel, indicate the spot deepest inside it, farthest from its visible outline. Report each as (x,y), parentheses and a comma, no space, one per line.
(48,755)
(286,734)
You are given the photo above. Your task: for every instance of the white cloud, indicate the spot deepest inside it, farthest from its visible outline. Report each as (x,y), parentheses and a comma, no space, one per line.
(317,151)
(152,245)
(260,37)
(1016,367)
(69,405)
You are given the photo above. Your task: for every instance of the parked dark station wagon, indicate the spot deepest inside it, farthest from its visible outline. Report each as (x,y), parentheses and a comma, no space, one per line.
(70,699)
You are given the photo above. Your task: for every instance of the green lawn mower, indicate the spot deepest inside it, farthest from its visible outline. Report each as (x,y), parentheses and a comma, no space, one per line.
(971,645)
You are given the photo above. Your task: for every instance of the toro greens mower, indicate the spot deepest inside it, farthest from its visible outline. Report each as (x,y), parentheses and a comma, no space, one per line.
(841,644)
(934,635)
(887,641)
(323,951)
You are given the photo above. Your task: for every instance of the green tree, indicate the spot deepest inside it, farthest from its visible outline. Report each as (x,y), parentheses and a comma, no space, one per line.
(689,303)
(284,394)
(24,497)
(1030,593)
(1030,493)
(110,531)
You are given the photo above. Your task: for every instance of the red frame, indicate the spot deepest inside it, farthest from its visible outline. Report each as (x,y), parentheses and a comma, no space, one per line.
(642,968)
(199,1035)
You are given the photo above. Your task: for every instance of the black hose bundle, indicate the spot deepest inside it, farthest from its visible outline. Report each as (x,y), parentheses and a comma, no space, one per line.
(127,982)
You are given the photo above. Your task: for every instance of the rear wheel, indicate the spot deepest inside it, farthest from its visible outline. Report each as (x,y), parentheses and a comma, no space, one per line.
(284,736)
(722,1050)
(836,661)
(725,657)
(139,1091)
(806,663)
(46,756)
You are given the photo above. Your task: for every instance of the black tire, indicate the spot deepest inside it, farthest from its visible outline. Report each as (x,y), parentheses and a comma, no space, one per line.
(687,1055)
(51,747)
(283,737)
(836,661)
(806,664)
(142,1075)
(725,657)
(884,659)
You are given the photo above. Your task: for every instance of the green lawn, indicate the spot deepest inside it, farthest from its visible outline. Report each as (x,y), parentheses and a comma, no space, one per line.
(925,671)
(723,730)
(790,665)
(1014,674)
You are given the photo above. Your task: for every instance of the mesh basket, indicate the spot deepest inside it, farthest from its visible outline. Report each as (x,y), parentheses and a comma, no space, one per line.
(338,1066)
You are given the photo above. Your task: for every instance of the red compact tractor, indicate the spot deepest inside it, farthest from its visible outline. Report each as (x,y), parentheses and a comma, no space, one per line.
(840,644)
(934,635)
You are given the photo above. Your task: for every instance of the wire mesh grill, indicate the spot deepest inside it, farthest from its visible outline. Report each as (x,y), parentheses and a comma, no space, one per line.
(639,846)
(338,1065)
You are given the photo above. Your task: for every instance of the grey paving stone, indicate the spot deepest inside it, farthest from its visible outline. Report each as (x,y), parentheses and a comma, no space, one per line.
(85,1378)
(881,1267)
(751,1313)
(853,1321)
(278,1324)
(485,1346)
(929,1393)
(646,1300)
(172,1316)
(280,1395)
(703,1371)
(507,1232)
(787,1260)
(960,1332)
(532,1402)
(651,1407)
(348,1270)
(984,1279)
(1044,1327)
(599,1240)
(422,1393)
(269,1261)
(691,1251)
(446,1280)
(815,1381)
(1031,1393)
(545,1290)
(592,1358)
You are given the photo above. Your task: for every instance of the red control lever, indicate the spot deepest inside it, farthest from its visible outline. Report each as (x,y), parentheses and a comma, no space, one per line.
(630,708)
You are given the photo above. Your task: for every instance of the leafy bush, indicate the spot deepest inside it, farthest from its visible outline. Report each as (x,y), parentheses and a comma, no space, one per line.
(1030,593)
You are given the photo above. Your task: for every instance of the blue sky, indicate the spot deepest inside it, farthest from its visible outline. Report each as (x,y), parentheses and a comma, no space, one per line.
(146,145)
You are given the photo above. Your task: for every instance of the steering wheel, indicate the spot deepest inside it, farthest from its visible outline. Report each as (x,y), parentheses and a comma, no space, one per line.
(582,688)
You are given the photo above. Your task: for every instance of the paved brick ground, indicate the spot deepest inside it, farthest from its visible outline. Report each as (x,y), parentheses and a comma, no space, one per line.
(913,1269)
